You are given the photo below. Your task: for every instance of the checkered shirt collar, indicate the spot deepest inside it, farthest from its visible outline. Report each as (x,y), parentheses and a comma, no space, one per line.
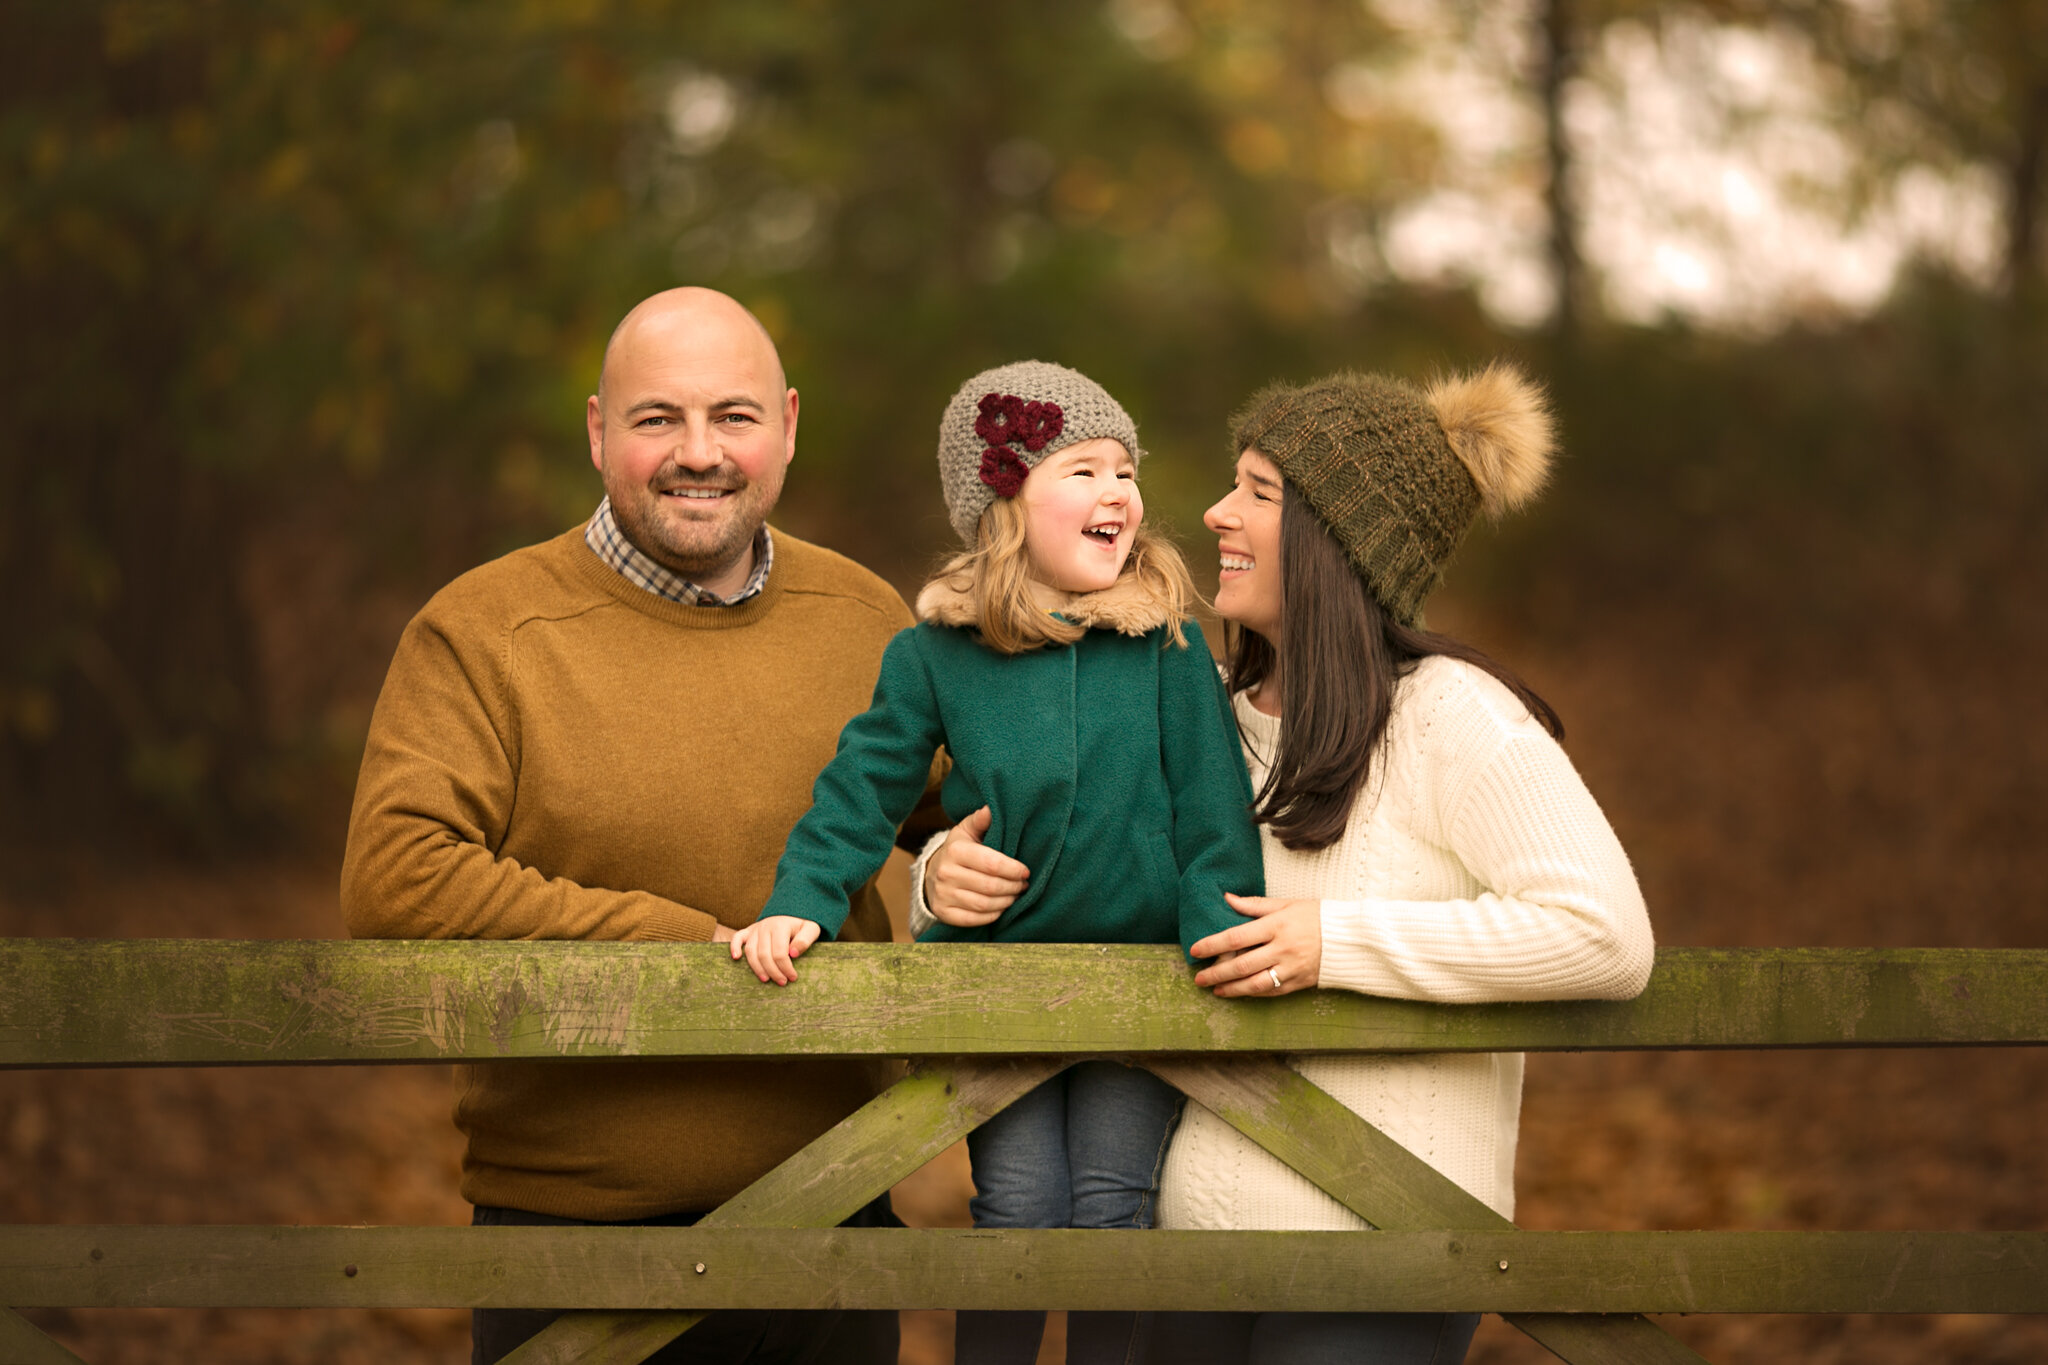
(609,543)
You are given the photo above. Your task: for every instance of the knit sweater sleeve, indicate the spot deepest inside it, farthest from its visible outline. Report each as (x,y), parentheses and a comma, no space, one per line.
(439,778)
(1215,843)
(1561,916)
(869,788)
(921,916)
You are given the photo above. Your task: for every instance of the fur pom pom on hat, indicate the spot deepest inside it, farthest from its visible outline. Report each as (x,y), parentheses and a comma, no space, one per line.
(1397,472)
(1004,421)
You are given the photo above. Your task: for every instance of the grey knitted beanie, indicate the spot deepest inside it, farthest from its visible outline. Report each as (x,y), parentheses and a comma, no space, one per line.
(1004,421)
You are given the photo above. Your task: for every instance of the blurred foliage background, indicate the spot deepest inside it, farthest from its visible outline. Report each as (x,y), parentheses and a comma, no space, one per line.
(302,302)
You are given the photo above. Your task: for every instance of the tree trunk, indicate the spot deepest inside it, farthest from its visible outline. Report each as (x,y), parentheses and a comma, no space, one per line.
(1557,59)
(2023,211)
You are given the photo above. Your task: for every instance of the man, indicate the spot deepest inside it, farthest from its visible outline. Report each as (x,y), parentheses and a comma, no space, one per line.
(609,736)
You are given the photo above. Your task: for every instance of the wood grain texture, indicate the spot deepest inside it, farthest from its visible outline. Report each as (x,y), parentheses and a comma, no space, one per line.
(216,1002)
(826,1268)
(863,1156)
(1388,1186)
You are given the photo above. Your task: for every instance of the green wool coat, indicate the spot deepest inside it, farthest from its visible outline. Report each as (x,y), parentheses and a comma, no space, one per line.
(1111,768)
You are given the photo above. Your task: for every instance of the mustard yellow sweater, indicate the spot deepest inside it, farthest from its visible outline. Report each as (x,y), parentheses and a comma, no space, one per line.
(558,754)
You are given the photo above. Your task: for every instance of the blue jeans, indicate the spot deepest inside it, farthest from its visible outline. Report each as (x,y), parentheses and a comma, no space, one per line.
(1312,1338)
(1083,1150)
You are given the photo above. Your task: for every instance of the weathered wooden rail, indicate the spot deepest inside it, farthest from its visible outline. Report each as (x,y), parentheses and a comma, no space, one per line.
(981,1025)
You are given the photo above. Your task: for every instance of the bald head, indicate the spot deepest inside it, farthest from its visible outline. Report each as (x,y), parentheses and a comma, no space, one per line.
(691,427)
(690,313)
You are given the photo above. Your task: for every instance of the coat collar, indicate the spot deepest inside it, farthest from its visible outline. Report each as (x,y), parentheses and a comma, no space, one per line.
(1128,606)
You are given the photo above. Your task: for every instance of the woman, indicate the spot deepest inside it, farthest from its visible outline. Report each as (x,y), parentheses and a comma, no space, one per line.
(1424,836)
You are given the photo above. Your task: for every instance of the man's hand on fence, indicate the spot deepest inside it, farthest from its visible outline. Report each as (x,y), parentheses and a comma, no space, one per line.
(1277,951)
(772,945)
(968,884)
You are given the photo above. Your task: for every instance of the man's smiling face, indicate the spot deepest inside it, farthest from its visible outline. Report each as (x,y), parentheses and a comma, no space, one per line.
(692,428)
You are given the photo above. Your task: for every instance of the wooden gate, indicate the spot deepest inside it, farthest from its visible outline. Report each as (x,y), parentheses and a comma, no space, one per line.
(981,1025)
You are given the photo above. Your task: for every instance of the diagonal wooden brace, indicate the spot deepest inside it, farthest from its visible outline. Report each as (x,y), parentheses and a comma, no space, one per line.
(23,1343)
(877,1145)
(1391,1188)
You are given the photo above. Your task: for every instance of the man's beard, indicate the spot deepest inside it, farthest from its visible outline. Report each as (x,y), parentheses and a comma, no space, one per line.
(701,546)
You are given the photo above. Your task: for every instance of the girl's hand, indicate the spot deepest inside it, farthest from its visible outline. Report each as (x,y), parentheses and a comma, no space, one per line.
(1283,938)
(772,945)
(968,884)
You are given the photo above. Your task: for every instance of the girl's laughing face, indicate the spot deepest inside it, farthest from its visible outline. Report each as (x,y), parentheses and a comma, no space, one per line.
(1081,512)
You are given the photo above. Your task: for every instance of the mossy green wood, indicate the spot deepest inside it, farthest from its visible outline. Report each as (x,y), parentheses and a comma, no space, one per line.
(861,1157)
(212,1002)
(67,1004)
(1389,1186)
(23,1343)
(1266,1100)
(827,1268)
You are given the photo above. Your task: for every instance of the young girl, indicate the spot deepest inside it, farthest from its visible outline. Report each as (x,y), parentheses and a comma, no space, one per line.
(1091,740)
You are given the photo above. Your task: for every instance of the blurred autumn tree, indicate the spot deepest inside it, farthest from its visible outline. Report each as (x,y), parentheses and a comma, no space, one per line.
(306,299)
(303,302)
(1959,79)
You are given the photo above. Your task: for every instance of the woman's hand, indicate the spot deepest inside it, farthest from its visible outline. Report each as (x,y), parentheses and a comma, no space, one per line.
(1279,950)
(771,946)
(968,884)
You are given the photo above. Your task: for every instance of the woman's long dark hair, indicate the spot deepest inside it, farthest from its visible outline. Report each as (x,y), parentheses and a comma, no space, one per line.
(1340,656)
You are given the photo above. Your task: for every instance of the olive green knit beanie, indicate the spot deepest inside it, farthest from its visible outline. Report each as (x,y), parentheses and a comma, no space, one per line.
(1397,472)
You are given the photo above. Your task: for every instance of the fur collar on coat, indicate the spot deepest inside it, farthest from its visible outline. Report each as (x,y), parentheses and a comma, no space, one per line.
(1129,606)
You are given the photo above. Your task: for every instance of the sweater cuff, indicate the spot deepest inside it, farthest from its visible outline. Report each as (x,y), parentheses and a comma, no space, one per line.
(1348,964)
(921,916)
(670,923)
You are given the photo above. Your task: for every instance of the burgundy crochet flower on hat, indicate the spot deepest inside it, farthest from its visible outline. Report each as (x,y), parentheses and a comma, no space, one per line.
(1005,421)
(1003,471)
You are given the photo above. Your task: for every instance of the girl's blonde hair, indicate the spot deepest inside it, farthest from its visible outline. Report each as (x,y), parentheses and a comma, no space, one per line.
(996,574)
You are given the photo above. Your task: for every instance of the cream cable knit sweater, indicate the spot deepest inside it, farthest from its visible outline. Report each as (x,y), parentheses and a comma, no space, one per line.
(1475,866)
